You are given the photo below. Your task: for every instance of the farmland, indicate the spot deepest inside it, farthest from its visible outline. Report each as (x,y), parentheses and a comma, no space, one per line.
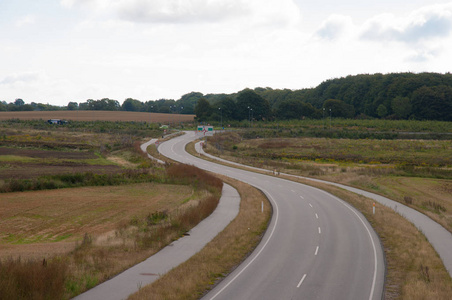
(84,201)
(415,172)
(112,116)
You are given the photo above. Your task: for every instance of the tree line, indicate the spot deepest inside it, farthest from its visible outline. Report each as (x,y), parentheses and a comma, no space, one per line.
(423,96)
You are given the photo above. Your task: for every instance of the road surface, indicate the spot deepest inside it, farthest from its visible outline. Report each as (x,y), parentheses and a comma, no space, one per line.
(316,247)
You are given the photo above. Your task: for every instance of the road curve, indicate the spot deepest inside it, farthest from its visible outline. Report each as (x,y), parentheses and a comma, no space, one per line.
(438,236)
(316,247)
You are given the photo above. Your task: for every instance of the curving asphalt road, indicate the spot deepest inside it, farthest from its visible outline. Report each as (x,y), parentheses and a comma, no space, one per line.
(316,247)
(439,237)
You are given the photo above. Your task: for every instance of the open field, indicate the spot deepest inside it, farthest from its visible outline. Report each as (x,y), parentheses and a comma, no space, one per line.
(21,163)
(66,215)
(414,172)
(414,270)
(121,207)
(95,115)
(86,235)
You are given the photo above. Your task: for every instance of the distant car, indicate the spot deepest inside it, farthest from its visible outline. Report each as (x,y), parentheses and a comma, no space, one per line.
(57,121)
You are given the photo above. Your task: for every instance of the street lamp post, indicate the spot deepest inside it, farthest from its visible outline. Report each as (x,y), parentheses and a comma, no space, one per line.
(221,118)
(330,118)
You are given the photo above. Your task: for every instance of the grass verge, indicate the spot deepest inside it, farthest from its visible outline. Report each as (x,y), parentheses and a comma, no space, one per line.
(200,273)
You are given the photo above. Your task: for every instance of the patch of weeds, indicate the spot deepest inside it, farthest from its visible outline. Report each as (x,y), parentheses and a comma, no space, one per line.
(408,200)
(437,207)
(155,218)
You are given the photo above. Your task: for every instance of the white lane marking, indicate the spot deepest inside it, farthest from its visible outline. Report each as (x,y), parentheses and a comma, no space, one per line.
(316,216)
(301,281)
(301,197)
(372,290)
(368,231)
(320,231)
(293,191)
(316,250)
(310,204)
(258,253)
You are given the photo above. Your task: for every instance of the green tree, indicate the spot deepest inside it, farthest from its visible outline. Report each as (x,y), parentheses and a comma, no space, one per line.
(228,108)
(131,105)
(339,109)
(433,103)
(251,104)
(203,110)
(401,107)
(291,109)
(19,102)
(382,111)
(72,106)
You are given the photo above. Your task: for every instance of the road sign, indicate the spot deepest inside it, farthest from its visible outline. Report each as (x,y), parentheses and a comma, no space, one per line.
(205,130)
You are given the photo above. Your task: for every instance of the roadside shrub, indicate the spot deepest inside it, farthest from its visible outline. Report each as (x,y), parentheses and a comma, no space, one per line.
(186,174)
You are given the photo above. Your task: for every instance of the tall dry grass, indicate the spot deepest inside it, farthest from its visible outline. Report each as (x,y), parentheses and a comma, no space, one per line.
(191,279)
(92,263)
(32,279)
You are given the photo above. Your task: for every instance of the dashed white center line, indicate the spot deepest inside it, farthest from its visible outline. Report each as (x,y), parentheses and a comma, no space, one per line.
(301,281)
(316,250)
(316,216)
(310,204)
(301,197)
(320,231)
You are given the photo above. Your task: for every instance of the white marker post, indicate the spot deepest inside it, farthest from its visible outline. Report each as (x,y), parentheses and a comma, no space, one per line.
(262,206)
(373,208)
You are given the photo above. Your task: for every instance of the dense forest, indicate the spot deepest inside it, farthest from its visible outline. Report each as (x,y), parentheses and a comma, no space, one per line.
(424,96)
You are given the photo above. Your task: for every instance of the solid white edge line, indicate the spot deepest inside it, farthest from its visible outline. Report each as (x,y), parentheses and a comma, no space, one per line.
(370,236)
(301,281)
(258,253)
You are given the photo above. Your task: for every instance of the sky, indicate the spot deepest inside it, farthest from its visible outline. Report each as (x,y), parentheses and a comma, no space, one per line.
(61,51)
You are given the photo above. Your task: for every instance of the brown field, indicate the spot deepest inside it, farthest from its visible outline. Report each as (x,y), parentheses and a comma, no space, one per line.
(94,115)
(44,223)
(22,163)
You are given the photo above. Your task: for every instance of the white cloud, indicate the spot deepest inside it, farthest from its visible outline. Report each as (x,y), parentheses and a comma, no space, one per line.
(257,12)
(22,78)
(423,24)
(334,27)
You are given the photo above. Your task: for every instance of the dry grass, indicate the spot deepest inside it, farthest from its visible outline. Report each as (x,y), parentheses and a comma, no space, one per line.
(67,214)
(414,269)
(120,226)
(191,279)
(94,115)
(430,195)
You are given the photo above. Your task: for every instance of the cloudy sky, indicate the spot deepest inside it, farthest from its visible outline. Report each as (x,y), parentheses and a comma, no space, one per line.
(56,51)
